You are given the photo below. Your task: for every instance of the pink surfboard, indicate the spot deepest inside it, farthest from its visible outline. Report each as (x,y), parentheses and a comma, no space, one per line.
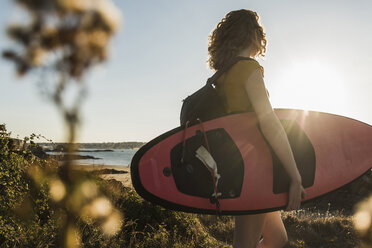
(330,151)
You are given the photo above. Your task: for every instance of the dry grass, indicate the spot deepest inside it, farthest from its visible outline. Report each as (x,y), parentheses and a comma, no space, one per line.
(308,228)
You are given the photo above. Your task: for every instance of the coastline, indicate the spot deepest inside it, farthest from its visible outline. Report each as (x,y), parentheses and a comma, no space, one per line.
(122,175)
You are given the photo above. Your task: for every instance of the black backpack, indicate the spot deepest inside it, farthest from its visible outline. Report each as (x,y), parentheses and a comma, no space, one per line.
(205,104)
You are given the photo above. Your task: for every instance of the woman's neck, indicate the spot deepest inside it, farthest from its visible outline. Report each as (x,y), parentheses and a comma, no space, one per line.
(245,52)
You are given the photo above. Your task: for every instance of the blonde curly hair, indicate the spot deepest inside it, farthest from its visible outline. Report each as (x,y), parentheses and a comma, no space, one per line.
(236,31)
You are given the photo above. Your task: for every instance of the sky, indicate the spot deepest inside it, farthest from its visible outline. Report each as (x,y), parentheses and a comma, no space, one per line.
(319,57)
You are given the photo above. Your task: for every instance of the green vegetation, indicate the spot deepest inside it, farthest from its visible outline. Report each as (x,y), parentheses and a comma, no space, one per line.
(25,213)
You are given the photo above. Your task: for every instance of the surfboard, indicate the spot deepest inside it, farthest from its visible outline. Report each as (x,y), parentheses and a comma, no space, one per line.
(330,151)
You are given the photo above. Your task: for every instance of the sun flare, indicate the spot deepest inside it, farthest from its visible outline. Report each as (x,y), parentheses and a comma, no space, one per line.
(312,85)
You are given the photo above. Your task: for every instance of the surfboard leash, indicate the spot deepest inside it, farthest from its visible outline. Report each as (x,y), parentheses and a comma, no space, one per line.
(214,198)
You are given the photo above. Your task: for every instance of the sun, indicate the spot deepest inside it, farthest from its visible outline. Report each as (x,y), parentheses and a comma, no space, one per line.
(311,84)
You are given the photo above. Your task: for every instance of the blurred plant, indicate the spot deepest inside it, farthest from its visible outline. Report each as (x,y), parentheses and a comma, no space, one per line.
(63,40)
(363,221)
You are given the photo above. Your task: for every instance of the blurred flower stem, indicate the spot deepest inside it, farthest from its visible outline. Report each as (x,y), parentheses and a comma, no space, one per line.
(63,40)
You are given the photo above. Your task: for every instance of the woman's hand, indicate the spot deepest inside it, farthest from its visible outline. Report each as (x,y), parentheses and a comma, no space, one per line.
(296,194)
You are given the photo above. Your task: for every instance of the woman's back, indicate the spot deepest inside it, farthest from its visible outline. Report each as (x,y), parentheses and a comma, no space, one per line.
(231,86)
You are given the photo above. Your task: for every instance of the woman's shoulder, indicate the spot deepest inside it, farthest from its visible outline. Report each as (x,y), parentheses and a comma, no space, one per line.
(243,68)
(248,62)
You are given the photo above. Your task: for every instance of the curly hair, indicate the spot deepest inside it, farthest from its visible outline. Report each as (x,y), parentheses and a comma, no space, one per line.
(236,31)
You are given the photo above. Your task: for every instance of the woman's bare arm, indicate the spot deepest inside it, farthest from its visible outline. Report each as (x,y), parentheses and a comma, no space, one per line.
(274,133)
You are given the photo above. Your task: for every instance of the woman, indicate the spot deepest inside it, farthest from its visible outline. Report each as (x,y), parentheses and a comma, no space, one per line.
(242,87)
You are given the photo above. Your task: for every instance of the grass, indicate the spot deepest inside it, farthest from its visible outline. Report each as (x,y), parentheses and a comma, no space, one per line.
(307,228)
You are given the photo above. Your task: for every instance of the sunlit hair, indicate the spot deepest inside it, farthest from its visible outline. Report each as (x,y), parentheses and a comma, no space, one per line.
(236,31)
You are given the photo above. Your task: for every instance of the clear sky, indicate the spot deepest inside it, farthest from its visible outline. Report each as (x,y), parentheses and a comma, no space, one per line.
(319,57)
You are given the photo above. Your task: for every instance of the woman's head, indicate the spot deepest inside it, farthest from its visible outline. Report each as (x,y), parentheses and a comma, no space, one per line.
(237,31)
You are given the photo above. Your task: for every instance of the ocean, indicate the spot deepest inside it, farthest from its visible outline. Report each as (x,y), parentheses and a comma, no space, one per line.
(116,157)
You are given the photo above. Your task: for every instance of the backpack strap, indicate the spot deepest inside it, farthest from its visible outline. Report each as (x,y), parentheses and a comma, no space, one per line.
(225,68)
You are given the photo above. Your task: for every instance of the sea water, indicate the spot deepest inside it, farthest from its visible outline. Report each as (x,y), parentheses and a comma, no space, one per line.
(116,157)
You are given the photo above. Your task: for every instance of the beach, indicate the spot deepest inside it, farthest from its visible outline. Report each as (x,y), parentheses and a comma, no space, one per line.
(108,172)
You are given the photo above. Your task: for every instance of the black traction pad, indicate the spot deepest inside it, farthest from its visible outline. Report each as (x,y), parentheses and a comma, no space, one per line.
(193,178)
(304,156)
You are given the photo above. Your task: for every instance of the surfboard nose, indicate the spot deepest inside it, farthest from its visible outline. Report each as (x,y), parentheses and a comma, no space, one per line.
(343,147)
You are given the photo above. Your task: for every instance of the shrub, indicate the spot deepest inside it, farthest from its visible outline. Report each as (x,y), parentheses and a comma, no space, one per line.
(25,213)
